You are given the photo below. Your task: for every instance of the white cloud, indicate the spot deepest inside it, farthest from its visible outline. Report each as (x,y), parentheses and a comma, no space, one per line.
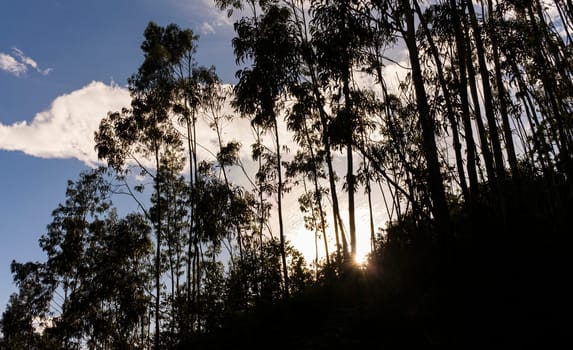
(66,129)
(211,18)
(206,28)
(19,63)
(10,65)
(24,59)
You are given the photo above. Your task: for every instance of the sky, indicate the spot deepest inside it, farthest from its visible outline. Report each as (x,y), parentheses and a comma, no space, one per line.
(63,66)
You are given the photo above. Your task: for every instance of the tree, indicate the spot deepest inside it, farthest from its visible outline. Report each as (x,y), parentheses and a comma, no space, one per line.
(92,290)
(28,310)
(339,35)
(267,41)
(147,131)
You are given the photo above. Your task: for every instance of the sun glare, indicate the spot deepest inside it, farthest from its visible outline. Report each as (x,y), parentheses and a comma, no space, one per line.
(304,242)
(361,257)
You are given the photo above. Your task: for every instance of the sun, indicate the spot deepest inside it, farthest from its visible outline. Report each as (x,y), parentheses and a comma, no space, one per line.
(362,252)
(361,258)
(304,241)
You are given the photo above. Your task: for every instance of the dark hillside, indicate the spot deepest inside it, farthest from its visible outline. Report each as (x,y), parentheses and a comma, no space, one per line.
(504,284)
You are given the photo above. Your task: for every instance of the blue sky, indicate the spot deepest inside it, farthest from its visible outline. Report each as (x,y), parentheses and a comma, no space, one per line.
(63,65)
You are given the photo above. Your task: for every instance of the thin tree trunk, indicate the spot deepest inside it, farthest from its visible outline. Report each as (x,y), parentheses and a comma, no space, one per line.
(370,209)
(318,194)
(224,171)
(338,227)
(280,212)
(158,251)
(190,151)
(351,210)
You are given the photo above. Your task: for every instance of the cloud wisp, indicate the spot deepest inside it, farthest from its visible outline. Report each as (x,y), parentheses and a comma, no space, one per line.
(17,63)
(11,65)
(207,13)
(66,129)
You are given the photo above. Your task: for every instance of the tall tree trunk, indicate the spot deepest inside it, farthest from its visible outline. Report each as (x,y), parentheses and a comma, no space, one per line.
(350,181)
(370,209)
(435,179)
(351,210)
(280,211)
(318,194)
(158,251)
(189,117)
(338,227)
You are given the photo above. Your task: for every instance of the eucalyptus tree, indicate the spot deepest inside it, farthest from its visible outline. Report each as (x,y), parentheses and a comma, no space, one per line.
(539,64)
(399,18)
(179,48)
(265,42)
(222,209)
(198,93)
(440,27)
(311,107)
(75,223)
(109,298)
(173,200)
(111,301)
(214,96)
(339,35)
(92,290)
(145,133)
(308,160)
(313,94)
(29,309)
(311,201)
(488,95)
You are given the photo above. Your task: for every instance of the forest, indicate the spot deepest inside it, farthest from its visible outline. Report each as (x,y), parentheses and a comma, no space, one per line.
(470,157)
